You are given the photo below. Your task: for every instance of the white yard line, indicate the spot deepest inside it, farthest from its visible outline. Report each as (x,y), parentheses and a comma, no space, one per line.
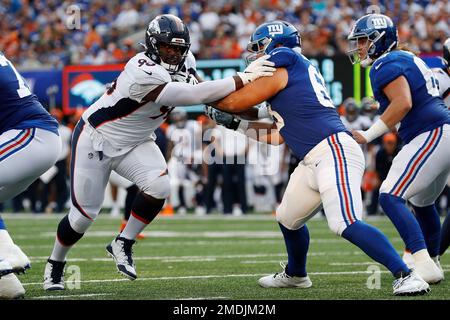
(88,295)
(203,298)
(248,275)
(203,258)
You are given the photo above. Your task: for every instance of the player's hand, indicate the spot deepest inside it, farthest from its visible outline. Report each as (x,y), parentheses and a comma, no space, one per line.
(261,67)
(222,118)
(357,135)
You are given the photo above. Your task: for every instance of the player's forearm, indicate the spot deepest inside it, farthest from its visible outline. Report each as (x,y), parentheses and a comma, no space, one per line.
(264,132)
(184,94)
(395,112)
(254,113)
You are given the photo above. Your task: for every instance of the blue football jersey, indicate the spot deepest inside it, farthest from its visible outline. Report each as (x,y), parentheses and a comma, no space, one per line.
(428,109)
(304,112)
(19,108)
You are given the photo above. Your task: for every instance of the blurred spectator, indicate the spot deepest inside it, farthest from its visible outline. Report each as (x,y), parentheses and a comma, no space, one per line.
(383,162)
(35,33)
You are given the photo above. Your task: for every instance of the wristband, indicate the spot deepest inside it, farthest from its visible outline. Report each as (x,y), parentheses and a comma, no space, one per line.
(377,129)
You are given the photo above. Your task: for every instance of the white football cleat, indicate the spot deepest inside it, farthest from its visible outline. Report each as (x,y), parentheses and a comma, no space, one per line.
(9,251)
(282,280)
(408,259)
(120,249)
(411,285)
(429,271)
(5,268)
(54,275)
(438,264)
(10,287)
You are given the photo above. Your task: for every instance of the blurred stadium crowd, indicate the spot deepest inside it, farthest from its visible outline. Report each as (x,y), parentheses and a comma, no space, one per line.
(252,176)
(36,33)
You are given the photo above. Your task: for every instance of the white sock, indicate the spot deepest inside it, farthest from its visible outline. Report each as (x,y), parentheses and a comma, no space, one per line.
(133,228)
(421,255)
(5,238)
(59,252)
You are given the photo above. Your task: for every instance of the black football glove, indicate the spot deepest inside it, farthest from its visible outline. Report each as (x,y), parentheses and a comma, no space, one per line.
(222,118)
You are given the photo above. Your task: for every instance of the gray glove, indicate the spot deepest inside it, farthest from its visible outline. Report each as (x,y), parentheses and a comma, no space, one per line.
(222,118)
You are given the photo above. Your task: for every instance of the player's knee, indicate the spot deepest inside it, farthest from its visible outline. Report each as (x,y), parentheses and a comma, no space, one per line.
(146,207)
(158,188)
(287,220)
(337,226)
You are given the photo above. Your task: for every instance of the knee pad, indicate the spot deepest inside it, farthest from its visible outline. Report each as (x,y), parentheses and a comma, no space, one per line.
(66,234)
(78,221)
(145,207)
(159,188)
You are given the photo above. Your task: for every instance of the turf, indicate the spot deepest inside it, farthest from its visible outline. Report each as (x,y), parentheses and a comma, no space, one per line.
(206,258)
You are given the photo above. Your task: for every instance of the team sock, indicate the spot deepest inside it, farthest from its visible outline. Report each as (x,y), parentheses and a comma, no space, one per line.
(445,235)
(404,220)
(430,223)
(297,244)
(66,237)
(133,228)
(375,245)
(2,224)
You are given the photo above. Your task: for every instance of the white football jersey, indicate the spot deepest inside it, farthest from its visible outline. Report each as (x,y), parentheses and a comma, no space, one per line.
(119,120)
(186,141)
(444,84)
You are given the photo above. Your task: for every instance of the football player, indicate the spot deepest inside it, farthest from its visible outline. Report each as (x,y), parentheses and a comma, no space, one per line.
(409,98)
(332,164)
(443,77)
(117,133)
(29,146)
(184,144)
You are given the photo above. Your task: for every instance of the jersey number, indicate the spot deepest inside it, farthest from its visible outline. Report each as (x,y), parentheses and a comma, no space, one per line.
(23,90)
(430,79)
(319,87)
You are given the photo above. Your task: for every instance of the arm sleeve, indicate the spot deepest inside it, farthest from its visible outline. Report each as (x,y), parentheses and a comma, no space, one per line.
(185,94)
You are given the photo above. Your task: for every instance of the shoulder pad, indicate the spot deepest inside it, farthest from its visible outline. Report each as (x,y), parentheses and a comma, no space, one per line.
(282,57)
(144,71)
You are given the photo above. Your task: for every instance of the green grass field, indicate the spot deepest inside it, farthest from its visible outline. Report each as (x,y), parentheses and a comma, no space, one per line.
(205,258)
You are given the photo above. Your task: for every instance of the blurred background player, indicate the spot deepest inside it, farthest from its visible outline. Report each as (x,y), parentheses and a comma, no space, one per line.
(117,133)
(29,146)
(409,99)
(332,164)
(352,119)
(185,157)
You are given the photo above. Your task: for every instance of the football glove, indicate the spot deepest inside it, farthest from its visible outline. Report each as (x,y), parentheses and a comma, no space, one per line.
(222,118)
(261,67)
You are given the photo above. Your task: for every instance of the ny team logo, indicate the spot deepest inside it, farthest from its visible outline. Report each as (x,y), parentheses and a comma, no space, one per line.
(275,29)
(379,23)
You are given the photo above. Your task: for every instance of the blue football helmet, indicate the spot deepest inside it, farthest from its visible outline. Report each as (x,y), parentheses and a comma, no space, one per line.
(381,35)
(270,35)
